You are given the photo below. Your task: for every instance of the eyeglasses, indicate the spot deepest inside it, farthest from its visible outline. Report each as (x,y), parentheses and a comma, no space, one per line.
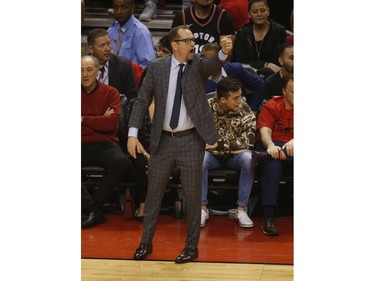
(187,41)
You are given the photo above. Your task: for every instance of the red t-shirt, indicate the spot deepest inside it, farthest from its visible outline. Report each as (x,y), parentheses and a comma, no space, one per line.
(238,9)
(275,116)
(96,127)
(289,39)
(138,71)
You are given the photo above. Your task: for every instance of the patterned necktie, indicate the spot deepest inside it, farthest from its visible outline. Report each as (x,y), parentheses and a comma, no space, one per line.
(177,100)
(103,76)
(102,71)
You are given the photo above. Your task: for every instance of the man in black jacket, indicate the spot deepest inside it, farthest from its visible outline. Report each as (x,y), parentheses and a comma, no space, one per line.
(272,85)
(115,71)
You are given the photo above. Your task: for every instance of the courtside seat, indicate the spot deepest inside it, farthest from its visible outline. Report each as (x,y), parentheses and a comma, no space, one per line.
(227,179)
(92,170)
(91,177)
(223,174)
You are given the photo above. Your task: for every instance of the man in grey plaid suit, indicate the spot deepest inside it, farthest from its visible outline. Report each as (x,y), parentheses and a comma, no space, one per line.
(181,144)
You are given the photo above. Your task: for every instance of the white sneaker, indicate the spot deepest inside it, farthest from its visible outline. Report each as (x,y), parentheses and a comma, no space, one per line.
(204,217)
(149,11)
(243,219)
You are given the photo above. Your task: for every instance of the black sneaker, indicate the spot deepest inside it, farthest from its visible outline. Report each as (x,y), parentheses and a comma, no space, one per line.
(269,228)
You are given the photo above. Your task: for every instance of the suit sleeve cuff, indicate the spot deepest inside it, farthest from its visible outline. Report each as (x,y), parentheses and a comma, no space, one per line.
(133,132)
(222,56)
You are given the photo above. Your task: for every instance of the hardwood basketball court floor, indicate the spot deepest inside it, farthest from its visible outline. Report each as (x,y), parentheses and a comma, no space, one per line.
(226,251)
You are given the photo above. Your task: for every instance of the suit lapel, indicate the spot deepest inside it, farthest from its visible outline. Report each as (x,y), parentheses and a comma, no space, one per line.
(185,83)
(111,75)
(186,70)
(165,72)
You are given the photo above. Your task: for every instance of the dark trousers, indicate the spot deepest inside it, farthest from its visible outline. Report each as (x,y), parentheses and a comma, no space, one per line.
(86,200)
(141,180)
(111,157)
(272,171)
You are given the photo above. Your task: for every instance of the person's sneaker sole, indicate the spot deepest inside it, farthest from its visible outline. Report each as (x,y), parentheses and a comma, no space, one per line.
(246,225)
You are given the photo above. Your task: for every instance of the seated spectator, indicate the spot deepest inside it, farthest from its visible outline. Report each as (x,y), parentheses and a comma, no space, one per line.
(129,37)
(256,42)
(138,73)
(100,114)
(275,125)
(238,11)
(115,71)
(149,11)
(88,207)
(207,22)
(163,47)
(143,156)
(272,85)
(252,84)
(235,124)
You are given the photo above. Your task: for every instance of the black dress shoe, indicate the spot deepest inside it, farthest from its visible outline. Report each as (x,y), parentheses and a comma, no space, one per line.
(142,252)
(139,218)
(269,228)
(258,157)
(187,255)
(93,218)
(136,217)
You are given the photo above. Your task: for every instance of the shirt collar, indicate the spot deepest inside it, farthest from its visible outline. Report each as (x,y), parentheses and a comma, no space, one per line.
(126,25)
(223,74)
(96,86)
(175,63)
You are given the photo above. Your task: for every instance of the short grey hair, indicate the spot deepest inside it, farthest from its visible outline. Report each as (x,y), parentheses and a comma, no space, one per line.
(95,60)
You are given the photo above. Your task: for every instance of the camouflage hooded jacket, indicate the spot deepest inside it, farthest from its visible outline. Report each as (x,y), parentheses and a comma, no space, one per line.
(236,129)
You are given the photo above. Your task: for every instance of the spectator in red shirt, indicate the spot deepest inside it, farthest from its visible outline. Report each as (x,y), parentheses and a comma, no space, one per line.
(238,10)
(100,116)
(275,126)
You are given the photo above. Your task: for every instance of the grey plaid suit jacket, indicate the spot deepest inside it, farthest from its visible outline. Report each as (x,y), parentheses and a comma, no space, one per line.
(193,82)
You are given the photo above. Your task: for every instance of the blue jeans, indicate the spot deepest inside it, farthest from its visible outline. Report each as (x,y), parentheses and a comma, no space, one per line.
(241,161)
